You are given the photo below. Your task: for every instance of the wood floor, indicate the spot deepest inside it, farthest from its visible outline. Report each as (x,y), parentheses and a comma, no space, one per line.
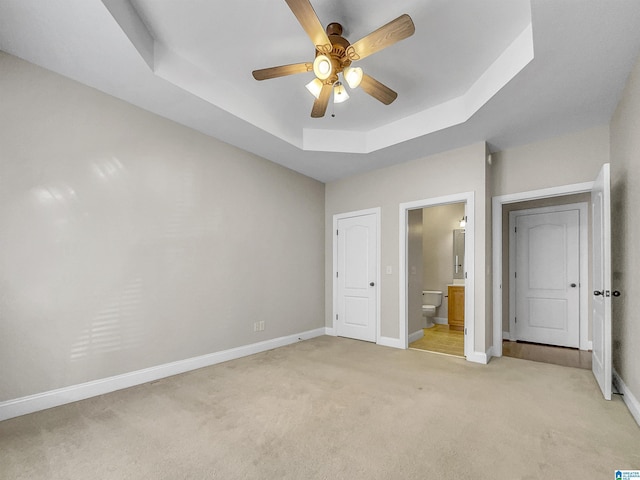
(439,339)
(568,357)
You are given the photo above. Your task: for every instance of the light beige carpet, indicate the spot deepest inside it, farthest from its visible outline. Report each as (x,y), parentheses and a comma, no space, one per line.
(333,408)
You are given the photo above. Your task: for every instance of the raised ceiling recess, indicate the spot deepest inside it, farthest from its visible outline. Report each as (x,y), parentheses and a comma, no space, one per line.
(459,57)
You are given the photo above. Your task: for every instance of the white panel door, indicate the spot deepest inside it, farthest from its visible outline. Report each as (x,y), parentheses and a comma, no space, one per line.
(357,273)
(601,356)
(547,278)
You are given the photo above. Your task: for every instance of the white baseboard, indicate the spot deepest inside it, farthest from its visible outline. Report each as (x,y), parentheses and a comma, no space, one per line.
(629,399)
(330,331)
(73,393)
(478,357)
(506,335)
(491,352)
(390,342)
(441,320)
(416,335)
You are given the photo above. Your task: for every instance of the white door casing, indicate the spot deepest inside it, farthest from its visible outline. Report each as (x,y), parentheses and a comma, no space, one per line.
(546,275)
(356,275)
(601,356)
(497,245)
(469,248)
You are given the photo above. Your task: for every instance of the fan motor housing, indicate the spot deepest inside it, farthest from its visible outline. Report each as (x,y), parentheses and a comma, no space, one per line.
(338,54)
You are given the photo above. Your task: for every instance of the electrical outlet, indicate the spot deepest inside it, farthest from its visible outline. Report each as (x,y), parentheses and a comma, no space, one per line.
(255,326)
(261,326)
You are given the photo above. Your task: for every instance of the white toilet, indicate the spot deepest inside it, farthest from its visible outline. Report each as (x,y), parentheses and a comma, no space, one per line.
(431,299)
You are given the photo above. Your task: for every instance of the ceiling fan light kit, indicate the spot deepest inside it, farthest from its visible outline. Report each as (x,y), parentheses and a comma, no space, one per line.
(314,87)
(322,67)
(334,55)
(340,93)
(353,76)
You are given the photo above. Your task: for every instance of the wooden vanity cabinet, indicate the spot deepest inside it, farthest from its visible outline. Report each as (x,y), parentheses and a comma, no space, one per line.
(456,307)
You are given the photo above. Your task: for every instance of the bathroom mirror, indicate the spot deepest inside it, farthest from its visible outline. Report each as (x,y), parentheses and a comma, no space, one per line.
(458,253)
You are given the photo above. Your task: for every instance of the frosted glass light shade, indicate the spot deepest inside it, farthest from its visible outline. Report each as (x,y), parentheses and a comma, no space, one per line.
(353,76)
(322,67)
(339,93)
(314,87)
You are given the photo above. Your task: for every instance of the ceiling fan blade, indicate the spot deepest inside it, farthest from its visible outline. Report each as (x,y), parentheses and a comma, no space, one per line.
(282,71)
(320,105)
(377,90)
(394,31)
(307,17)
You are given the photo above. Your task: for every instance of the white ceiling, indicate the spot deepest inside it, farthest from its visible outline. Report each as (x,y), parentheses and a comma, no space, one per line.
(505,71)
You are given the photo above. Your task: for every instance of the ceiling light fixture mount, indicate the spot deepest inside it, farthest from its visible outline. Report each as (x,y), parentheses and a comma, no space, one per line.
(334,55)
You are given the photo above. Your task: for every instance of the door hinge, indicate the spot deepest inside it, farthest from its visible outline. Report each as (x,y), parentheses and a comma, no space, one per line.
(515,319)
(465,274)
(515,229)
(465,330)
(336,274)
(337,232)
(336,316)
(515,274)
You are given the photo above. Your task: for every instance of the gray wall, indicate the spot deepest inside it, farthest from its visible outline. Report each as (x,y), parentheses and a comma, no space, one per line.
(625,172)
(128,241)
(563,160)
(455,171)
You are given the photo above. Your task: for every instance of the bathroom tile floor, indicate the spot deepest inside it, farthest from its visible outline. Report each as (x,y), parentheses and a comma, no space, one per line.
(440,339)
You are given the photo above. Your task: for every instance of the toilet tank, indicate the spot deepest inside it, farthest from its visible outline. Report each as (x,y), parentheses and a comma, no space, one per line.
(432,297)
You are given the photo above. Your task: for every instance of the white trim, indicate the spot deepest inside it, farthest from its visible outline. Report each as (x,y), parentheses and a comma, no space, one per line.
(629,399)
(330,331)
(490,353)
(496,211)
(377,211)
(479,357)
(441,320)
(73,393)
(390,342)
(415,336)
(507,336)
(583,265)
(469,252)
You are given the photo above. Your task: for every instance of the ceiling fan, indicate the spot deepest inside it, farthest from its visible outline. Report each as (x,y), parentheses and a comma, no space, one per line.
(334,55)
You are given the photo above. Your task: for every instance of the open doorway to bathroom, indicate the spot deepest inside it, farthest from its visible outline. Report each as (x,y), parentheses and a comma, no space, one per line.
(436,278)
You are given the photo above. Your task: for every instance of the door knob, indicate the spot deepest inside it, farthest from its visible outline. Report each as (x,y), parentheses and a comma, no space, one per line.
(371,284)
(573,285)
(598,292)
(615,293)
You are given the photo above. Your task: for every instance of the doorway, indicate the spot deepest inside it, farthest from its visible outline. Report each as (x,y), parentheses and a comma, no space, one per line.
(435,285)
(543,349)
(406,269)
(548,280)
(356,279)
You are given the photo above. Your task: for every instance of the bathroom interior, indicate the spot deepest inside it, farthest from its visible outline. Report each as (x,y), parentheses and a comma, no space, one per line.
(435,279)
